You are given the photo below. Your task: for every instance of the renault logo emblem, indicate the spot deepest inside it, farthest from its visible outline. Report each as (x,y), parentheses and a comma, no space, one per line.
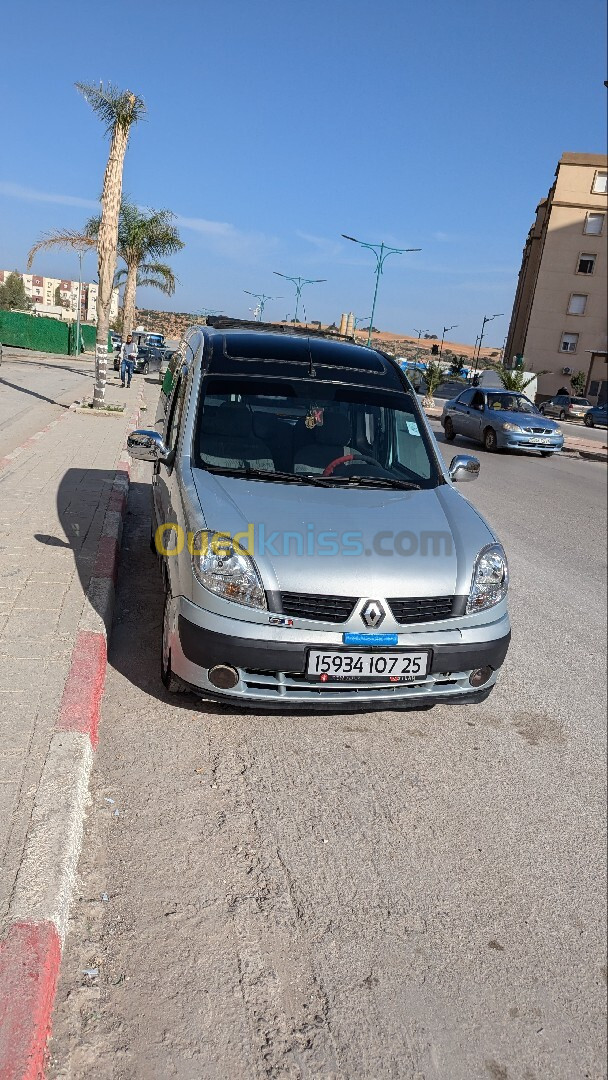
(372,614)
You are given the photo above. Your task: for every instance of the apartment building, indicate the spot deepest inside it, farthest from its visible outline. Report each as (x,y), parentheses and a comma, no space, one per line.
(45,292)
(559,320)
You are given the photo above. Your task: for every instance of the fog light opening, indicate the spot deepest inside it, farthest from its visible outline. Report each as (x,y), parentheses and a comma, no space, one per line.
(480,676)
(223,676)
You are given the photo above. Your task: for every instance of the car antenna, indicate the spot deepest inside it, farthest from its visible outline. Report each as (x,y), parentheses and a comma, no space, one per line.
(311,370)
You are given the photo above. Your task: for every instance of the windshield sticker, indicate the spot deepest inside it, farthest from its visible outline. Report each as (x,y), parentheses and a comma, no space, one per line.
(412,427)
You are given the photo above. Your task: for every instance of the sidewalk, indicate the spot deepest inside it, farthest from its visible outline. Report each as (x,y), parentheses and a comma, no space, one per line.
(62,499)
(585,448)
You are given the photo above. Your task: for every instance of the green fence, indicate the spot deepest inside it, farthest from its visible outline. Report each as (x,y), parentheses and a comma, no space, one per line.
(44,335)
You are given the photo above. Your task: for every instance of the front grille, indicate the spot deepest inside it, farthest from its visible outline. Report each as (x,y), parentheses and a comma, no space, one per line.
(540,431)
(334,609)
(422,609)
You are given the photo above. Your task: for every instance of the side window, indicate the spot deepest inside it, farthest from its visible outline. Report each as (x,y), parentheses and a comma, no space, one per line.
(176,409)
(466,398)
(479,400)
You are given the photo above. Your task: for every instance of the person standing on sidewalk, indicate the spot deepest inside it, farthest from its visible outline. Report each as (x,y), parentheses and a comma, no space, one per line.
(128,356)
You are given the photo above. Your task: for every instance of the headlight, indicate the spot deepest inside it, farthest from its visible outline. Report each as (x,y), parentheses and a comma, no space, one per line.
(511,427)
(224,569)
(490,579)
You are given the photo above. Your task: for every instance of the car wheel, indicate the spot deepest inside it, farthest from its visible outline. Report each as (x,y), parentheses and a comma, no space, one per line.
(562,415)
(146,368)
(489,440)
(541,409)
(450,434)
(170,681)
(588,421)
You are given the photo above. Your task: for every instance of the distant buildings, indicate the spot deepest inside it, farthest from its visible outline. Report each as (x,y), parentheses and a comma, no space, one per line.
(58,297)
(559,319)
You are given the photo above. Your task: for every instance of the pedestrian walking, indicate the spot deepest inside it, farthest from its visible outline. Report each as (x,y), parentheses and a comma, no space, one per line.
(127,365)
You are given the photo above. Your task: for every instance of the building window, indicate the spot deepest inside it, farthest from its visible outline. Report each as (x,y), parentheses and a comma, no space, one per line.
(586,264)
(600,183)
(594,224)
(577,304)
(569,343)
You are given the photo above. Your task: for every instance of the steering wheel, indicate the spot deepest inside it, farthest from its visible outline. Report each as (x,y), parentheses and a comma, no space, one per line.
(346,459)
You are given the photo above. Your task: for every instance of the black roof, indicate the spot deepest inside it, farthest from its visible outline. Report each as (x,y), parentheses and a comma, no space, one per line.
(287,355)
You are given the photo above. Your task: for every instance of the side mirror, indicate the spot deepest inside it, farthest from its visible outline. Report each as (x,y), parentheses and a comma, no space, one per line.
(145,444)
(463,468)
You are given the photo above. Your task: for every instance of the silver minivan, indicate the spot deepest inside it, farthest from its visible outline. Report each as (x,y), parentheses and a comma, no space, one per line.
(314,549)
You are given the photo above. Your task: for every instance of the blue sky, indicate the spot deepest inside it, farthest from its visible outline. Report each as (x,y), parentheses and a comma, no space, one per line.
(273,127)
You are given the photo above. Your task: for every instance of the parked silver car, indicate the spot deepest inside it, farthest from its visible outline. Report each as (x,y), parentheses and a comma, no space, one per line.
(565,407)
(501,420)
(313,547)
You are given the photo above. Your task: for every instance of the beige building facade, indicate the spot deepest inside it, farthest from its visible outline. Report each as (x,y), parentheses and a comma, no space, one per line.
(44,292)
(559,321)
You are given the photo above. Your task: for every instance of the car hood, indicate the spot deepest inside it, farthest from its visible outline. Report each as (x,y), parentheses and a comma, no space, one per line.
(524,420)
(348,542)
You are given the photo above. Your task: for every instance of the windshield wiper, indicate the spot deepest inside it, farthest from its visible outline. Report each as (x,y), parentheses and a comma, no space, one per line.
(265,474)
(377,481)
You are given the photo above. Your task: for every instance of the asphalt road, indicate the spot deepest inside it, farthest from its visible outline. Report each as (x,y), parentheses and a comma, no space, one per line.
(36,388)
(403,895)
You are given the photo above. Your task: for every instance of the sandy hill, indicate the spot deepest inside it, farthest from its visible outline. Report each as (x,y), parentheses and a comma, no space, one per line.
(173,324)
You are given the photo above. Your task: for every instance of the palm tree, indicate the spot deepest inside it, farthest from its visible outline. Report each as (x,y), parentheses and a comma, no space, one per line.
(457,366)
(515,379)
(142,236)
(118,110)
(433,377)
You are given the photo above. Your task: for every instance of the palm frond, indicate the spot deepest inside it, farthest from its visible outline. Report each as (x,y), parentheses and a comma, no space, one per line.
(115,108)
(157,276)
(66,238)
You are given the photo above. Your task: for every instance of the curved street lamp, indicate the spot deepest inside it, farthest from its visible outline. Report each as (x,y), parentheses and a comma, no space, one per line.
(419,332)
(381,251)
(486,319)
(299,283)
(446,329)
(261,298)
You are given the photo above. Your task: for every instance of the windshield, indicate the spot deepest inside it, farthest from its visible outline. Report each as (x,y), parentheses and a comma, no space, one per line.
(511,403)
(309,431)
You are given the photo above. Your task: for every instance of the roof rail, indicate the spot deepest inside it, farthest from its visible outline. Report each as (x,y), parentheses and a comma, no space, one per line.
(225,322)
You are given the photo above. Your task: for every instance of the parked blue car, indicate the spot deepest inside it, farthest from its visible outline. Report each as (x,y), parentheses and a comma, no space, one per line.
(597,416)
(501,420)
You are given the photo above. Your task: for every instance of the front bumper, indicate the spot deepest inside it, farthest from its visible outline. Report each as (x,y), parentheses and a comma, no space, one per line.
(272,672)
(513,440)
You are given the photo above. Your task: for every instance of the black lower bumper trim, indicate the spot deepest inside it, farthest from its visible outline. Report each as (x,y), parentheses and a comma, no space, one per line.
(206,648)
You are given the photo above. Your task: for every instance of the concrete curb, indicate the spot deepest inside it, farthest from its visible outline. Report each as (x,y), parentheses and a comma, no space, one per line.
(30,953)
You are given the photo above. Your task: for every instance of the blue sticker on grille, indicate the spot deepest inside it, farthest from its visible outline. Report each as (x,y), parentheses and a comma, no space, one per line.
(370,639)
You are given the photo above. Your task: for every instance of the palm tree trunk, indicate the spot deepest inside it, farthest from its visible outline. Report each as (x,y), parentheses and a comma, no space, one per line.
(128,300)
(107,241)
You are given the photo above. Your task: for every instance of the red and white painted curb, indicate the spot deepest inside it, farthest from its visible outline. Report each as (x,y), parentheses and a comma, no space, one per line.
(30,953)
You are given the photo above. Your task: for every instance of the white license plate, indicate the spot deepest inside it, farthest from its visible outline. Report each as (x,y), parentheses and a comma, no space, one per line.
(543,442)
(329,665)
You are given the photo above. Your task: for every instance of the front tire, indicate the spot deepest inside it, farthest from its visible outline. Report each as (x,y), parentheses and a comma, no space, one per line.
(146,368)
(490,441)
(449,432)
(562,415)
(170,681)
(589,421)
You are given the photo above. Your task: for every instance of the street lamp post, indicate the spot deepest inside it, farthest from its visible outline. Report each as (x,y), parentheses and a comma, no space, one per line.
(360,319)
(299,283)
(419,332)
(446,329)
(78,318)
(381,251)
(205,311)
(261,298)
(486,319)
